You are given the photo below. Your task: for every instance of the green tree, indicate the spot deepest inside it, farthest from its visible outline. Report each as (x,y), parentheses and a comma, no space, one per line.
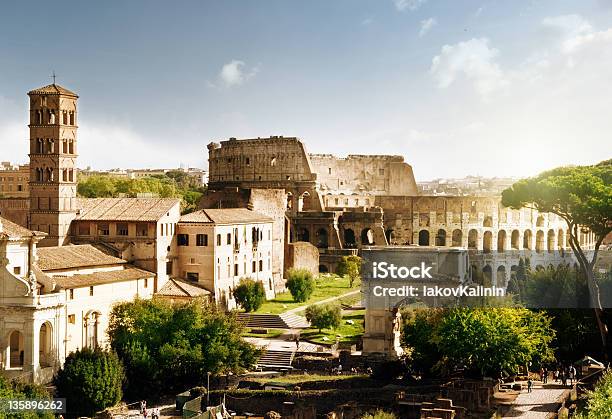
(324,316)
(350,266)
(301,284)
(486,341)
(599,401)
(250,294)
(21,391)
(90,380)
(582,196)
(173,346)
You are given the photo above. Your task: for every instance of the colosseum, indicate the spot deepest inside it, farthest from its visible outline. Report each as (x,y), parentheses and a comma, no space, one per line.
(341,204)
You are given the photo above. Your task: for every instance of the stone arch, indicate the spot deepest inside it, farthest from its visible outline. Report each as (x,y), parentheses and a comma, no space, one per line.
(560,239)
(514,239)
(390,235)
(473,239)
(550,240)
(16,349)
(540,221)
(441,237)
(322,238)
(457,238)
(476,274)
(349,238)
(92,326)
(367,236)
(527,239)
(45,344)
(487,241)
(539,247)
(500,277)
(305,202)
(501,241)
(487,276)
(303,235)
(424,238)
(289,200)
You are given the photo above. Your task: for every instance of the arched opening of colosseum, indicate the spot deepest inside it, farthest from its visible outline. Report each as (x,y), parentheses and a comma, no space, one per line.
(349,238)
(560,239)
(473,239)
(487,241)
(476,274)
(514,239)
(500,278)
(539,241)
(303,235)
(527,239)
(322,238)
(550,241)
(45,337)
(367,236)
(488,221)
(16,349)
(424,238)
(513,271)
(501,241)
(487,276)
(323,269)
(390,234)
(540,221)
(441,238)
(305,202)
(457,238)
(289,200)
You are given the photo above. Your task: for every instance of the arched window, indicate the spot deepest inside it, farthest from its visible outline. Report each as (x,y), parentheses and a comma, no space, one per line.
(424,238)
(441,238)
(91,330)
(514,239)
(349,238)
(367,237)
(457,237)
(527,239)
(45,345)
(322,238)
(487,241)
(473,239)
(501,241)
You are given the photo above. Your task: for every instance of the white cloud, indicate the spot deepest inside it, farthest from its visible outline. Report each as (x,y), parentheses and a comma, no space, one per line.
(232,74)
(474,60)
(426,25)
(367,21)
(570,24)
(412,5)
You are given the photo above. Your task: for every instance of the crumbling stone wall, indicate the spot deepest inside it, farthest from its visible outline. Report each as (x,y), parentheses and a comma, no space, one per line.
(302,255)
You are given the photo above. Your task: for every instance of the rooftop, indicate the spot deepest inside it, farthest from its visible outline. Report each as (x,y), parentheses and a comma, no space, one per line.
(124,209)
(52,89)
(178,288)
(70,257)
(225,216)
(130,273)
(16,231)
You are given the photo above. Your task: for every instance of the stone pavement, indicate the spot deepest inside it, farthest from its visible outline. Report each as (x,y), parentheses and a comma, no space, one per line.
(538,404)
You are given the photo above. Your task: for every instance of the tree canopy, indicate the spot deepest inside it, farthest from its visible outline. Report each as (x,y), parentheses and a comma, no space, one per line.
(90,380)
(301,284)
(21,391)
(485,341)
(170,346)
(250,294)
(350,266)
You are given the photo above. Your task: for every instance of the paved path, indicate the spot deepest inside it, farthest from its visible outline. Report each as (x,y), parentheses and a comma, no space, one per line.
(538,404)
(286,343)
(327,300)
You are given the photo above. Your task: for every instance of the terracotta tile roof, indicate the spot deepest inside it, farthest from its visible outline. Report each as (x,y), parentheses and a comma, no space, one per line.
(225,216)
(124,209)
(178,288)
(69,257)
(15,230)
(130,273)
(52,89)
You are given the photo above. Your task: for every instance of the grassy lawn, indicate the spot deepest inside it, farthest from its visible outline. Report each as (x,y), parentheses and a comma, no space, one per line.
(327,287)
(296,379)
(271,334)
(349,333)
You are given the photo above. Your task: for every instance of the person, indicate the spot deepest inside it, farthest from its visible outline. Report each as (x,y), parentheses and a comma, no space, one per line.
(155,413)
(143,407)
(339,369)
(556,375)
(297,341)
(529,385)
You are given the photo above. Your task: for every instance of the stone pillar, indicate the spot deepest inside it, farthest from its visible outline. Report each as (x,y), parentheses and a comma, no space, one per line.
(494,235)
(479,242)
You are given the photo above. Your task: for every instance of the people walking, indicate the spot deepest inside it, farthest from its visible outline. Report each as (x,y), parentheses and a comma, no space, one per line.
(529,385)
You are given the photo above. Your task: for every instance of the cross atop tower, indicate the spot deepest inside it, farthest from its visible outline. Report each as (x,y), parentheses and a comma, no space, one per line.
(53,75)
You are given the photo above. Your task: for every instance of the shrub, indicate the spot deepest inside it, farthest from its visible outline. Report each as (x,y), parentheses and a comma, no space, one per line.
(379,414)
(250,294)
(301,284)
(326,316)
(599,401)
(90,380)
(350,266)
(18,390)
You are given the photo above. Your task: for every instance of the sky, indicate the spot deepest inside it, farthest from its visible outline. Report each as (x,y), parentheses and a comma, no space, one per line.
(488,87)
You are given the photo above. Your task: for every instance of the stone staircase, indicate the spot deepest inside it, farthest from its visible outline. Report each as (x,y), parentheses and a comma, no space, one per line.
(273,321)
(276,360)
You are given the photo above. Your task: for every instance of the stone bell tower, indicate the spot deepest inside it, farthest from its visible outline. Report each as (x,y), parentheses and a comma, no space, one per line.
(53,154)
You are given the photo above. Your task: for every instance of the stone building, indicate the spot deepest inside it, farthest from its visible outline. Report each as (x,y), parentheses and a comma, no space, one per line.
(55,300)
(14,180)
(216,248)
